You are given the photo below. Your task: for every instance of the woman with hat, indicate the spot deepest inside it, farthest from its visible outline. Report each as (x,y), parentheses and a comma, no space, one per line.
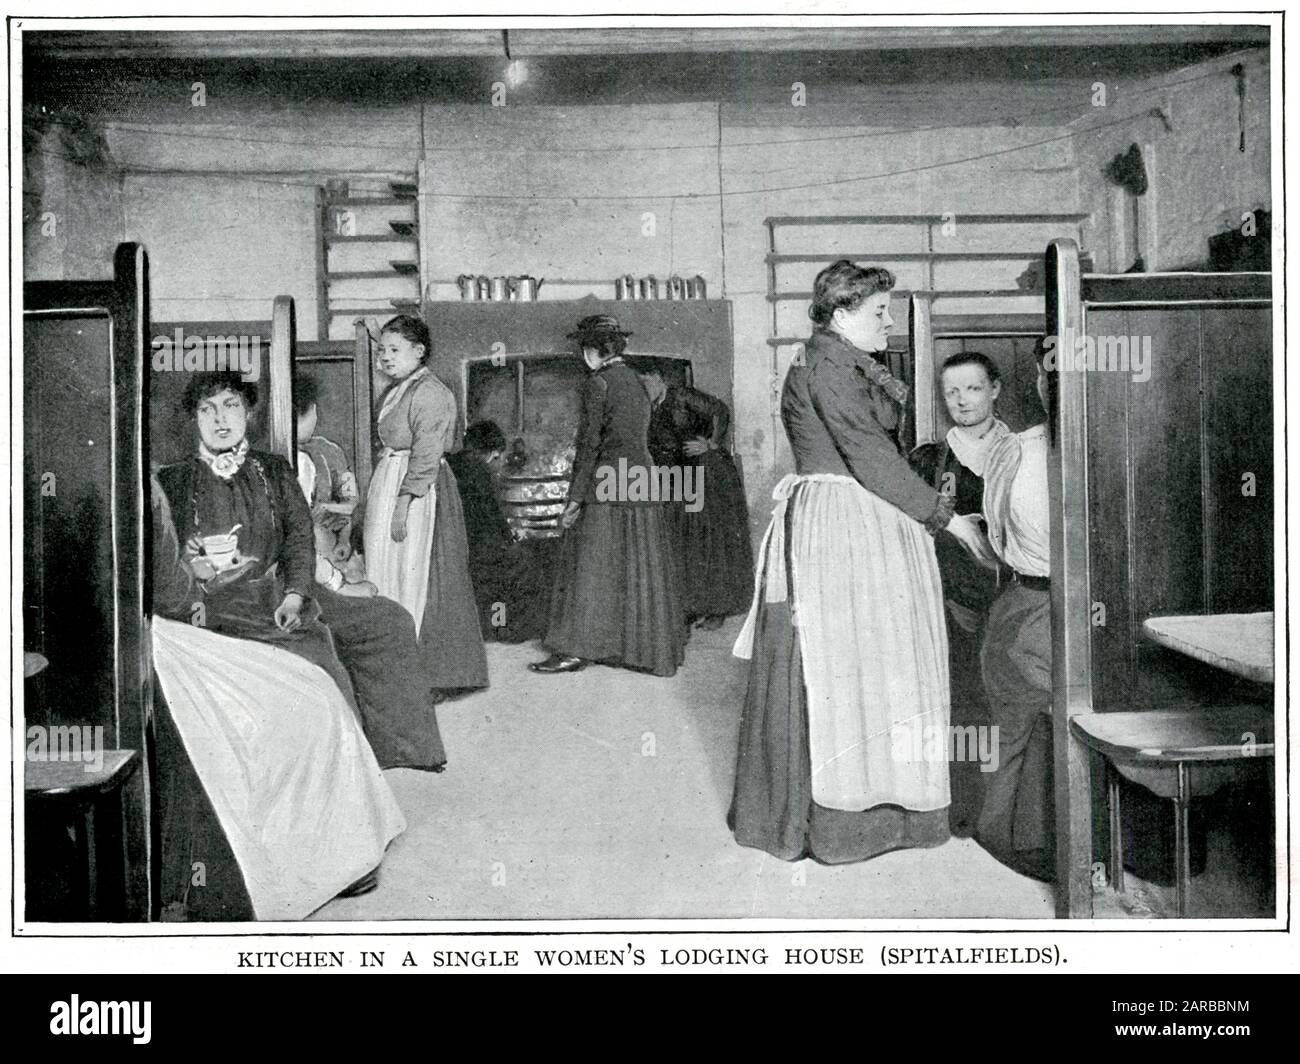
(616,599)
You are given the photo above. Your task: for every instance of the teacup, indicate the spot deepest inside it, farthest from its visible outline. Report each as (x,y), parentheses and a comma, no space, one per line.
(222,550)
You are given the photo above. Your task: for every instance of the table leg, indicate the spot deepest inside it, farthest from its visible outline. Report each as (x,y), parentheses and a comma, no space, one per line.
(1182,839)
(92,874)
(1116,830)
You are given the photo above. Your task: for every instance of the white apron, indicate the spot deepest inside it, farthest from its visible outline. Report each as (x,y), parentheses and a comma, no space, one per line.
(399,570)
(868,607)
(292,779)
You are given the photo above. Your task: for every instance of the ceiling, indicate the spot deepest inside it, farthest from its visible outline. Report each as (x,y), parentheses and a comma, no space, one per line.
(93,72)
(665,37)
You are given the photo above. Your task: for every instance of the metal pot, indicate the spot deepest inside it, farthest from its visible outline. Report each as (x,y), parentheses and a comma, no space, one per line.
(649,287)
(676,287)
(500,289)
(525,288)
(484,287)
(468,285)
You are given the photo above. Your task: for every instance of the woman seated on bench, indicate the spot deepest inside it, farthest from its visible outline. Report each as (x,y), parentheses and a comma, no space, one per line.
(269,594)
(1017,822)
(298,793)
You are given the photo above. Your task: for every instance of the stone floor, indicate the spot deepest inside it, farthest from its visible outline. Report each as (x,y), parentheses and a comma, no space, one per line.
(604,794)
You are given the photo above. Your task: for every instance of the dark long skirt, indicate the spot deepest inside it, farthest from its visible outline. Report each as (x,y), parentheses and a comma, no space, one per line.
(513,588)
(772,807)
(716,550)
(375,640)
(449,633)
(246,610)
(616,598)
(1017,822)
(969,710)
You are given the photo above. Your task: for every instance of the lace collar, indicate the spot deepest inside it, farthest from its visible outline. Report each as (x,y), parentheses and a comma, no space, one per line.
(224,464)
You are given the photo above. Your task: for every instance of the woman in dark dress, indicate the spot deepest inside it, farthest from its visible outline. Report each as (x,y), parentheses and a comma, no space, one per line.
(616,599)
(265,776)
(970,383)
(688,427)
(268,590)
(511,581)
(848,681)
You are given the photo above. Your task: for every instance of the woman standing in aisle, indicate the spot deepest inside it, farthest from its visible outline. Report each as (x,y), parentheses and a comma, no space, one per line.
(847,701)
(616,599)
(416,551)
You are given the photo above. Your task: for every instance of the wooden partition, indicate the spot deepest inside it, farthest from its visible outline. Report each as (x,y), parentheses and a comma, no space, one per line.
(342,369)
(85,499)
(1161,496)
(254,345)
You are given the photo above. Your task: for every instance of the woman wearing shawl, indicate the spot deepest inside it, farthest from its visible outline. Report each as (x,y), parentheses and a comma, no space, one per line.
(970,383)
(268,590)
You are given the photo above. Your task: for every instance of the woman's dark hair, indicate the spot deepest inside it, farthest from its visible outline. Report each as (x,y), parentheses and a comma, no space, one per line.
(646,367)
(306,390)
(484,436)
(845,284)
(205,385)
(411,329)
(610,345)
(973,358)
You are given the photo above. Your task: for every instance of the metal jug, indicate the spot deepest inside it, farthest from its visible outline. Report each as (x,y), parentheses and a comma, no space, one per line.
(629,286)
(468,285)
(484,286)
(500,289)
(649,287)
(525,288)
(676,288)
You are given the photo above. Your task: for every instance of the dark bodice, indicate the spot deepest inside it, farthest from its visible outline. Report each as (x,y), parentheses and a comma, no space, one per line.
(486,527)
(615,422)
(840,418)
(965,581)
(264,498)
(685,414)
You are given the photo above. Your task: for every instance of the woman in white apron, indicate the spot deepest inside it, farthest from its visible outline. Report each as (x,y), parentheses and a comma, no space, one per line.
(416,550)
(844,733)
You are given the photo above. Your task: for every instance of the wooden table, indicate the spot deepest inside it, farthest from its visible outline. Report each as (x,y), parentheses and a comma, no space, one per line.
(83,788)
(1155,746)
(1239,643)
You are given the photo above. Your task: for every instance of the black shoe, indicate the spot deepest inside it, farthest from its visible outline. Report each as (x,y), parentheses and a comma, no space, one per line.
(559,663)
(711,623)
(364,885)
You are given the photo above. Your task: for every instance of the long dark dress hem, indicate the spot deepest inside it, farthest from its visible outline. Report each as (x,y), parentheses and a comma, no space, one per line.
(772,807)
